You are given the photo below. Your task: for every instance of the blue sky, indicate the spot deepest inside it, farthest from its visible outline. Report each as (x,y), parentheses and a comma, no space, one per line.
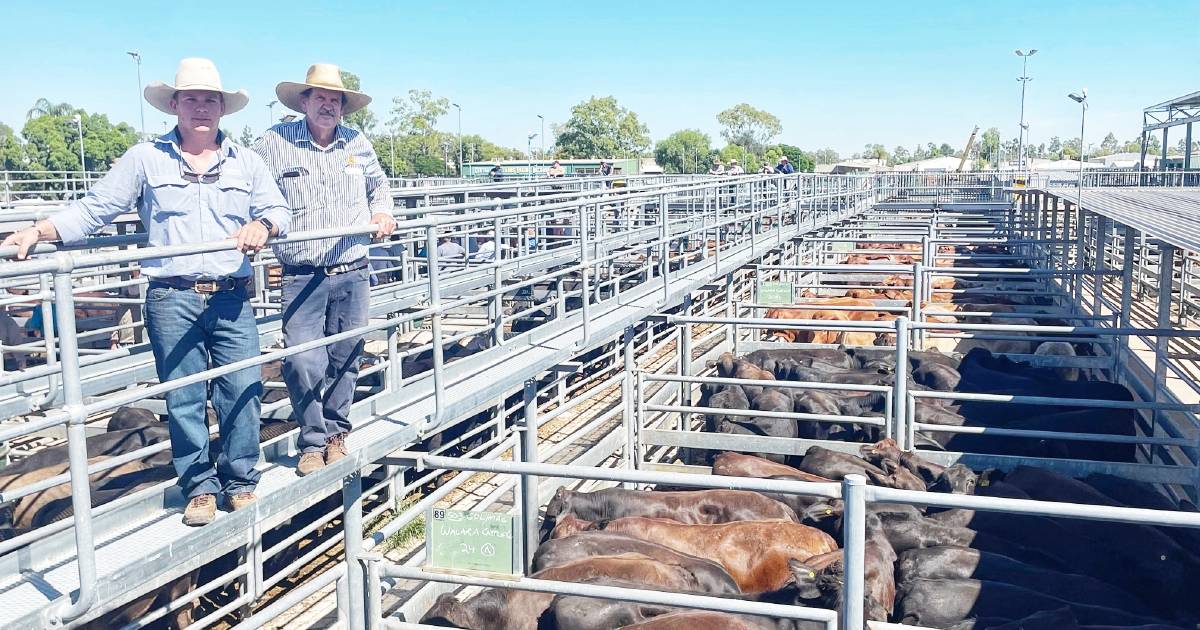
(838,74)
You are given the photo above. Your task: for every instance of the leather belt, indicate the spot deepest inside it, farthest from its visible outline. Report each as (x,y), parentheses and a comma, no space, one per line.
(205,286)
(331,270)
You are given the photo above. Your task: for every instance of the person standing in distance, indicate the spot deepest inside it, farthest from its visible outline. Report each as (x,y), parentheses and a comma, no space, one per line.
(331,178)
(193,185)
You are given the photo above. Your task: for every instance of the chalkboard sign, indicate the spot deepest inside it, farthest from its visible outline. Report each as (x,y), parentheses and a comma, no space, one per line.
(458,540)
(775,293)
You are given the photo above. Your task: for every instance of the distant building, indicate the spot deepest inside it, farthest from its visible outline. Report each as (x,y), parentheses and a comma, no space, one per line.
(1126,160)
(573,168)
(944,164)
(854,166)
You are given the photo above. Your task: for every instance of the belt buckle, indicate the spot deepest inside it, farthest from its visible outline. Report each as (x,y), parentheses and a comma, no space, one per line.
(207,286)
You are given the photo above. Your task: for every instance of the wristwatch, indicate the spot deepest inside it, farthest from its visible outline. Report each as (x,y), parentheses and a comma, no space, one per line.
(267,224)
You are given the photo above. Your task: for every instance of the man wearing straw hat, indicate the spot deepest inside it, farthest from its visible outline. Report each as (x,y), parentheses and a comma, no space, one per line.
(331,178)
(193,185)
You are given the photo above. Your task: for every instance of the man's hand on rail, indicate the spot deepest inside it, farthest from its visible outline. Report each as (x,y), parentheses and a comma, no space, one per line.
(27,238)
(386,224)
(251,238)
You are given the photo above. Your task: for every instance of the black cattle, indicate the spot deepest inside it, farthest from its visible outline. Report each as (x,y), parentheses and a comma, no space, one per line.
(126,418)
(877,359)
(836,465)
(905,533)
(962,563)
(712,577)
(1139,494)
(573,612)
(822,588)
(1165,567)
(940,377)
(940,603)
(1060,619)
(766,359)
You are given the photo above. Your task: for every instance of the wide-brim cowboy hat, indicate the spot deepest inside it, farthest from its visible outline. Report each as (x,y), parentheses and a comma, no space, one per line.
(194,73)
(325,76)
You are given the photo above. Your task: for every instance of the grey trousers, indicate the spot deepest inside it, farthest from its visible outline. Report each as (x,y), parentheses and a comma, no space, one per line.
(321,381)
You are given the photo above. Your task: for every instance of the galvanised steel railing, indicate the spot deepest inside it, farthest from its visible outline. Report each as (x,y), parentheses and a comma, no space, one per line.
(651,222)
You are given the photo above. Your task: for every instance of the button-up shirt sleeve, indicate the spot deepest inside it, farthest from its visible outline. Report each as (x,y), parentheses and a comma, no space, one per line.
(379,193)
(116,193)
(266,201)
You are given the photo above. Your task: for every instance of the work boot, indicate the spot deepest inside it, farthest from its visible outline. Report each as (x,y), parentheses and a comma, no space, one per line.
(201,510)
(241,500)
(310,463)
(335,448)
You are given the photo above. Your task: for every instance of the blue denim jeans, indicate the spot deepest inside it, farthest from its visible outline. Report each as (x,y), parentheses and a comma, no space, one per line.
(189,333)
(321,381)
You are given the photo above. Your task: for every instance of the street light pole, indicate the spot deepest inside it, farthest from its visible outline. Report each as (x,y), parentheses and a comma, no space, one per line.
(82,165)
(460,143)
(271,113)
(1080,98)
(542,151)
(529,152)
(1024,79)
(137,57)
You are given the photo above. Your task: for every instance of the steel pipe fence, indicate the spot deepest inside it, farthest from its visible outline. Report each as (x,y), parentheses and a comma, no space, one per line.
(64,264)
(826,194)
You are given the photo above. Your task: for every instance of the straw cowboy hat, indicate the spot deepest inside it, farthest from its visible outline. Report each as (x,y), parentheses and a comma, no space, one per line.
(194,73)
(327,77)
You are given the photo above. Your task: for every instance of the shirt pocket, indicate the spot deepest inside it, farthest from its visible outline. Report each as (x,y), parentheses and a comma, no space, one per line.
(293,189)
(167,196)
(235,198)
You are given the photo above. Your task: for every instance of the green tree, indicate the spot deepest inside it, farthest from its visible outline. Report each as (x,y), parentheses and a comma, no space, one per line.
(946,150)
(875,152)
(685,151)
(247,137)
(476,148)
(1055,148)
(749,127)
(599,127)
(989,146)
(52,141)
(1109,145)
(362,120)
(43,107)
(825,156)
(12,154)
(747,160)
(900,155)
(802,161)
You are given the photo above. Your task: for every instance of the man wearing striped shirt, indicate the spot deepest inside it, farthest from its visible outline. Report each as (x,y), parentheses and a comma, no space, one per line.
(331,178)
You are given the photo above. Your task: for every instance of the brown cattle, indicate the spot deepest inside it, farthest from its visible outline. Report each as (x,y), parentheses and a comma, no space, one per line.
(814,312)
(509,609)
(755,553)
(740,465)
(688,506)
(568,525)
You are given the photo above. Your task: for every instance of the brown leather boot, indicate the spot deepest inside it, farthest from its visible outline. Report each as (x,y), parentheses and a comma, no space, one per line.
(241,500)
(310,463)
(335,448)
(201,510)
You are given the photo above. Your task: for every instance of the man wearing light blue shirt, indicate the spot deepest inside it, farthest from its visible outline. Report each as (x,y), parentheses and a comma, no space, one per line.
(190,186)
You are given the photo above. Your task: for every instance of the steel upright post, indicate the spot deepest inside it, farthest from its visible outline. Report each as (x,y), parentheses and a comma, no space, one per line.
(627,395)
(1166,287)
(854,532)
(352,536)
(81,500)
(529,483)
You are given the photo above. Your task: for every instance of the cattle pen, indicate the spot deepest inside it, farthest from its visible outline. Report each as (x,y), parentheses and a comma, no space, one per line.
(581,355)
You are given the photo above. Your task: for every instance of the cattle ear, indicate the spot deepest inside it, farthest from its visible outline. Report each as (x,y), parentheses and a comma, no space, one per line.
(725,364)
(806,579)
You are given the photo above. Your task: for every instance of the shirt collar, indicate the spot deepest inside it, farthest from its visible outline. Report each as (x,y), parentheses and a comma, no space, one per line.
(341,134)
(172,138)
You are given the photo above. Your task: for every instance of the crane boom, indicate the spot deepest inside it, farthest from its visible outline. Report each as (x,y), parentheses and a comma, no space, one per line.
(967,151)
